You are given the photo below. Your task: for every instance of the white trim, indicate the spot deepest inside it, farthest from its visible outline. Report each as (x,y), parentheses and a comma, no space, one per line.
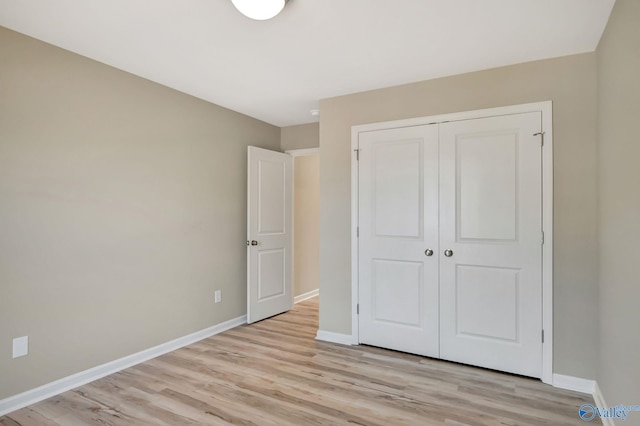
(328,336)
(57,387)
(306,296)
(303,152)
(545,108)
(547,248)
(576,384)
(355,213)
(600,402)
(292,267)
(292,227)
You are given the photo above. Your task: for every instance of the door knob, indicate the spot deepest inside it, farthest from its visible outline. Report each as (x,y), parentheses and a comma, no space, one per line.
(448,253)
(253,242)
(428,252)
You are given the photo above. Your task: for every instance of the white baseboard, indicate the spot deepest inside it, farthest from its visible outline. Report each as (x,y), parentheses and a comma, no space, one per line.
(600,402)
(328,336)
(305,296)
(57,387)
(576,384)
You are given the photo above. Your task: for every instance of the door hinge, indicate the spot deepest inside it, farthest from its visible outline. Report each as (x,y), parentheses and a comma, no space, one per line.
(358,309)
(542,237)
(357,151)
(541,139)
(358,232)
(542,336)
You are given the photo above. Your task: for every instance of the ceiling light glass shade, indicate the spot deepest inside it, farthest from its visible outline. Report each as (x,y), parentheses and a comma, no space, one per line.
(259,10)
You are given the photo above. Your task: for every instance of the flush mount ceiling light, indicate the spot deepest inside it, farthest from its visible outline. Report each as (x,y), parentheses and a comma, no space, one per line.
(259,10)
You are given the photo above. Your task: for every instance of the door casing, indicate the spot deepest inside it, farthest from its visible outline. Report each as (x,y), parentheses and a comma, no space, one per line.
(545,108)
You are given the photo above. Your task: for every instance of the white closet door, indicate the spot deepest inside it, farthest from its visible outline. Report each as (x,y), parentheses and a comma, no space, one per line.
(491,221)
(398,209)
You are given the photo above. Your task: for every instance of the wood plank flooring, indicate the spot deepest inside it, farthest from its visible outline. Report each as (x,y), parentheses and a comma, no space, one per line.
(275,373)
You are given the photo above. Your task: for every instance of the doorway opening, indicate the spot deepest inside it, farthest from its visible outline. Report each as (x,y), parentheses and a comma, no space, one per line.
(306,218)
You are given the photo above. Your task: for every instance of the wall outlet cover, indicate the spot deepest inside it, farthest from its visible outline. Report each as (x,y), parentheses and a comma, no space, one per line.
(20,346)
(218,296)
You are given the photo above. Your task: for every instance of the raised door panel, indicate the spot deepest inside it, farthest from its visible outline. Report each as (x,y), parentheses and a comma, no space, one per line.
(271,197)
(397,292)
(486,186)
(398,189)
(487,302)
(271,274)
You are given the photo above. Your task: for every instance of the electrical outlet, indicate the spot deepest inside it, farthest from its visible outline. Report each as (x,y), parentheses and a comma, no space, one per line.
(218,296)
(20,346)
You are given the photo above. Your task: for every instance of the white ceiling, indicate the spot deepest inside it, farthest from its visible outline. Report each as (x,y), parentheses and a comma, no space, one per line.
(278,70)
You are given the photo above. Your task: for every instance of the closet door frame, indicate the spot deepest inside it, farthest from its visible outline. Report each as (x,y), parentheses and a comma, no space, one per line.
(546,138)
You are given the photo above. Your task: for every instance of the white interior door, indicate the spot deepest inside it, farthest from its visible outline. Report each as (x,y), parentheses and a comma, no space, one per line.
(491,225)
(398,223)
(269,233)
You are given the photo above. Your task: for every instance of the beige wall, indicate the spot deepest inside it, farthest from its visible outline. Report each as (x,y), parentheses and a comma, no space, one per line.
(122,209)
(570,82)
(301,136)
(306,223)
(619,212)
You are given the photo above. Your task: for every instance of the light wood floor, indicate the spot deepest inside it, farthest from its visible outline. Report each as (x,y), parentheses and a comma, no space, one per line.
(275,373)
